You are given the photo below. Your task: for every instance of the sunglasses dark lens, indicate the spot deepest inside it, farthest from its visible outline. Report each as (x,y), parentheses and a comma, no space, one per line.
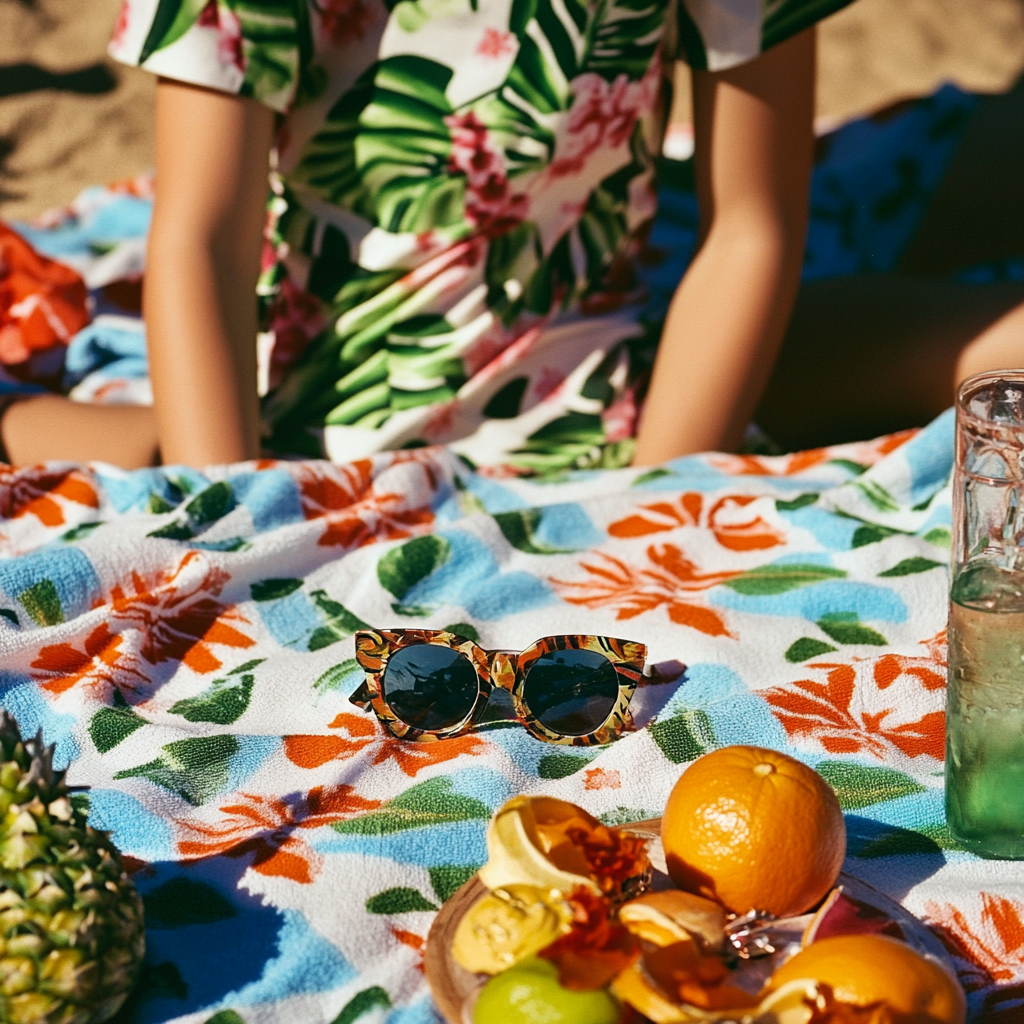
(430,687)
(571,692)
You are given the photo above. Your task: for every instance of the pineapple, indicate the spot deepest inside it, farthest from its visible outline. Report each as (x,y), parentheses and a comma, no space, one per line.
(71,931)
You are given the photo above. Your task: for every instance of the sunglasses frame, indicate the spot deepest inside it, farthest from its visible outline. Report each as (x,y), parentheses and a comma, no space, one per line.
(502,669)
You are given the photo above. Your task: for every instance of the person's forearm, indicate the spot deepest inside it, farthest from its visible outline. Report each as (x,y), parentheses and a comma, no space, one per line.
(720,339)
(201,327)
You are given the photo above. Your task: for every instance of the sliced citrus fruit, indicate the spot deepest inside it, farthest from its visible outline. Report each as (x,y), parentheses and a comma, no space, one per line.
(507,926)
(864,970)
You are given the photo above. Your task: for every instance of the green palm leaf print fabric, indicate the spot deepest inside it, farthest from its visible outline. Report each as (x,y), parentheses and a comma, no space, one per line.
(462,192)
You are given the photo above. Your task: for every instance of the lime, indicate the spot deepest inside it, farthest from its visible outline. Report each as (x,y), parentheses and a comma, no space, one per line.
(529,993)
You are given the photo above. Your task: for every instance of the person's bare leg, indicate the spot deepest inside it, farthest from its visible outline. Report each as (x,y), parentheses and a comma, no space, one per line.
(870,354)
(50,427)
(202,263)
(999,347)
(754,143)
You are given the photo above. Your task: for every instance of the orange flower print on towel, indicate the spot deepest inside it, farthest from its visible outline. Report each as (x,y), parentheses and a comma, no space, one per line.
(43,304)
(989,953)
(768,465)
(160,617)
(179,616)
(356,512)
(866,453)
(670,580)
(267,828)
(34,490)
(312,751)
(602,778)
(857,707)
(100,663)
(737,520)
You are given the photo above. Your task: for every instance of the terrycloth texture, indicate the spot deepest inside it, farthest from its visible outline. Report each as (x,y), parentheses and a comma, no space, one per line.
(185,641)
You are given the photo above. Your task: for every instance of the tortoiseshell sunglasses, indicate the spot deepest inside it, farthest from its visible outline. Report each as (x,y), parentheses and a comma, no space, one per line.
(429,684)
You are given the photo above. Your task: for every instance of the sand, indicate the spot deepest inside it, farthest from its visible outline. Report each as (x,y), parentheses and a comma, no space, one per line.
(96,126)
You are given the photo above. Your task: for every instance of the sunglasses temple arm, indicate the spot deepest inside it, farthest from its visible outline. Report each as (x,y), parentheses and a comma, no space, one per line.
(361,698)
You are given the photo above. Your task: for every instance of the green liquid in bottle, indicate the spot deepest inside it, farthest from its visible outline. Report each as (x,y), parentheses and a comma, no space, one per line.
(985,712)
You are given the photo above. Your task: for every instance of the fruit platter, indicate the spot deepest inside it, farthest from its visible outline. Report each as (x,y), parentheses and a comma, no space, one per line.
(729,909)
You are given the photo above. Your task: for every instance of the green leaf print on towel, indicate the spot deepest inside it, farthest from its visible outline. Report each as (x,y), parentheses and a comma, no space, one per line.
(685,736)
(403,567)
(859,785)
(805,648)
(195,769)
(401,900)
(909,566)
(447,879)
(109,726)
(225,1017)
(339,622)
(777,579)
(518,528)
(223,702)
(362,1003)
(42,602)
(846,628)
(429,803)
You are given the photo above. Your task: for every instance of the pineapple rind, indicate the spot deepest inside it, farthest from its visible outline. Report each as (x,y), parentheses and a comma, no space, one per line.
(72,937)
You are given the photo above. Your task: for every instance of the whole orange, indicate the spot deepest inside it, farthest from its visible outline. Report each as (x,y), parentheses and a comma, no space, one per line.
(866,969)
(754,829)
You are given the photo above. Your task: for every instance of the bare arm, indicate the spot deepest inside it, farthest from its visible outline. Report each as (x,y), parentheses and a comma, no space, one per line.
(203,260)
(754,136)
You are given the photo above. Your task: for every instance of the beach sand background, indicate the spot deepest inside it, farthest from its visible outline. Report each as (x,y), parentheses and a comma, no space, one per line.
(70,117)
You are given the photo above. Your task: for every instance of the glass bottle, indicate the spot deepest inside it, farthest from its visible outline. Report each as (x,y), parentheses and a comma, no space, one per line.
(985,699)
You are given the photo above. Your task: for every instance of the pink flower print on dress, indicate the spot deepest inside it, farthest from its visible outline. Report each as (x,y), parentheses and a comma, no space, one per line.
(495,44)
(485,349)
(547,382)
(619,419)
(439,423)
(296,318)
(602,116)
(229,33)
(121,28)
(490,203)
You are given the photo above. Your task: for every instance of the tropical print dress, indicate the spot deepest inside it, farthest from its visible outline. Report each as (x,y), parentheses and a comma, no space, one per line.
(460,201)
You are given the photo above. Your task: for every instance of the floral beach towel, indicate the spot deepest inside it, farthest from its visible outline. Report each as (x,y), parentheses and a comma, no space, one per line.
(185,640)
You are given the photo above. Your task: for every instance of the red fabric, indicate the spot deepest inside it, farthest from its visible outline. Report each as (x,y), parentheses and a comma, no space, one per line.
(43,303)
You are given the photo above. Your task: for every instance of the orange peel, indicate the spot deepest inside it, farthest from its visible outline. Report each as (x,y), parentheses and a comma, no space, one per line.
(522,851)
(556,845)
(672,915)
